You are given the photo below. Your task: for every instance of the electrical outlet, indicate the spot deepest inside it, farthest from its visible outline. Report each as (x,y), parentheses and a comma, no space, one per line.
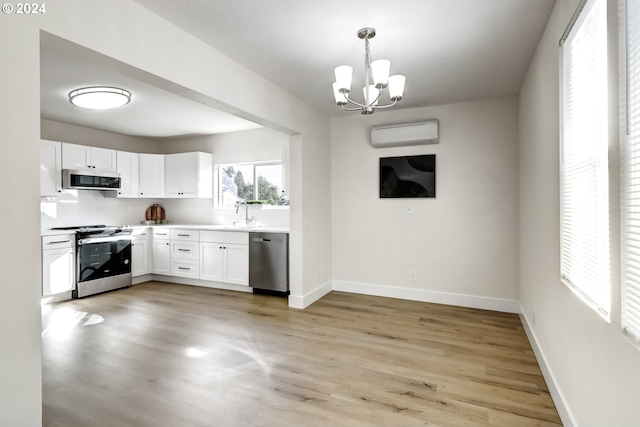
(412,276)
(129,208)
(533,316)
(408,211)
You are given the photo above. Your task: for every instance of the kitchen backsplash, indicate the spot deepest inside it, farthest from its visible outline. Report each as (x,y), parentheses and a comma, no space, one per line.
(84,207)
(200,211)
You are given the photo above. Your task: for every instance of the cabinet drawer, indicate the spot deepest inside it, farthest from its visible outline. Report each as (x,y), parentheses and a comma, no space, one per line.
(185,268)
(237,237)
(185,250)
(160,234)
(58,241)
(189,235)
(141,232)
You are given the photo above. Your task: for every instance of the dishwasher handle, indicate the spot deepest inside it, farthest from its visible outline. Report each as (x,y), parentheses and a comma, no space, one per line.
(261,239)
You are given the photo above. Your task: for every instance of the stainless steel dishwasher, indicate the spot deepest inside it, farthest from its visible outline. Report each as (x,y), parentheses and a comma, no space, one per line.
(269,262)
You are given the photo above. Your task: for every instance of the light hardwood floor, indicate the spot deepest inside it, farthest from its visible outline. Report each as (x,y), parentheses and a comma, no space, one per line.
(159,354)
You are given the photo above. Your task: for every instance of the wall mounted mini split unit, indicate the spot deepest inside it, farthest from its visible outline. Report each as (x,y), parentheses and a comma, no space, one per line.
(425,132)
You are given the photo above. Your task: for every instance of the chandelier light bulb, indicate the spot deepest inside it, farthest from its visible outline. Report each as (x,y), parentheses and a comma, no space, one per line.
(344,74)
(396,87)
(339,96)
(380,72)
(374,93)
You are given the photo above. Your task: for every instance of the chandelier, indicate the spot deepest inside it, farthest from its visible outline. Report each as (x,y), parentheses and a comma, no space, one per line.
(375,81)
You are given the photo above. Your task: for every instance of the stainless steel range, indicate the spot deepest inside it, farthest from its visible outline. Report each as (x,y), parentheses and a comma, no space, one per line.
(103,259)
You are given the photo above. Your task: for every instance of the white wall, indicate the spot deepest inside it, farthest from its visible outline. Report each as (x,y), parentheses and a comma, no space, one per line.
(236,147)
(461,244)
(129,33)
(65,132)
(20,353)
(596,370)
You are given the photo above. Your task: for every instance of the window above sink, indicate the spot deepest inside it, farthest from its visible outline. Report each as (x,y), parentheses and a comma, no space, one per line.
(259,183)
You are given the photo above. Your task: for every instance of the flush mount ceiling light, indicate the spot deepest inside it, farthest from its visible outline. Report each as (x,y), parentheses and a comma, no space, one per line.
(375,81)
(99,97)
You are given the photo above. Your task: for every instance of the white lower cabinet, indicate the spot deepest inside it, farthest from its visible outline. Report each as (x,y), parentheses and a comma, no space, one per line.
(237,264)
(140,253)
(58,264)
(214,256)
(212,261)
(224,257)
(161,256)
(185,254)
(185,268)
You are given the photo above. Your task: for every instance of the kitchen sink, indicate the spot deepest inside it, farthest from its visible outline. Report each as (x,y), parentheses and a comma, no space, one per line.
(241,227)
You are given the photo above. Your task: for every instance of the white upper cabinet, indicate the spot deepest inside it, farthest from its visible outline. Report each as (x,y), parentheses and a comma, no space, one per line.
(128,168)
(189,175)
(151,184)
(76,156)
(50,168)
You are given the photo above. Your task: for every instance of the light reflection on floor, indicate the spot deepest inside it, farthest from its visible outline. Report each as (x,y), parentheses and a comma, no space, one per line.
(61,321)
(246,356)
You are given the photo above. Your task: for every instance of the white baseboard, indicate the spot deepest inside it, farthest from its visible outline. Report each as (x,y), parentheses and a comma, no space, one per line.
(141,279)
(462,300)
(304,301)
(558,398)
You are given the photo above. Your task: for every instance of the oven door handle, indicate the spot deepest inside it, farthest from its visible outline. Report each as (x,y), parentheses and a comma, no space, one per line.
(91,240)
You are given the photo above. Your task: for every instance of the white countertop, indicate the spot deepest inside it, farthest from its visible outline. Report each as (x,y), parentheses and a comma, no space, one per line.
(55,232)
(221,227)
(213,227)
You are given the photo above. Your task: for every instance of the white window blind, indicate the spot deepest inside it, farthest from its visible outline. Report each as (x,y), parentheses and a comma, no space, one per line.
(584,184)
(630,167)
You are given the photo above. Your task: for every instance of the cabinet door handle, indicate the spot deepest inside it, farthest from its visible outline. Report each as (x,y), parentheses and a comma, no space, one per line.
(59,241)
(184,250)
(184,235)
(184,268)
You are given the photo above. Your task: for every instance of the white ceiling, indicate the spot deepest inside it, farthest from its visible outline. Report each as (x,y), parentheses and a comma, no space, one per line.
(449,50)
(153,112)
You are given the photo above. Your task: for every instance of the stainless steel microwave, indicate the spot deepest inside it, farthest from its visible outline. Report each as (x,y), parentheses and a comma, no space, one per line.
(90,180)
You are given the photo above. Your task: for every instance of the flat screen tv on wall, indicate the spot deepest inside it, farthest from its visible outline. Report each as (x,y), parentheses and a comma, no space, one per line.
(408,176)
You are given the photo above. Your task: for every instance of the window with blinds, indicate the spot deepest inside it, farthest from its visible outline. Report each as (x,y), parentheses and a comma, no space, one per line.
(584,183)
(630,166)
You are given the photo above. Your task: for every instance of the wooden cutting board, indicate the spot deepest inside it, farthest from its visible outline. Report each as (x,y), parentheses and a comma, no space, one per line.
(155,213)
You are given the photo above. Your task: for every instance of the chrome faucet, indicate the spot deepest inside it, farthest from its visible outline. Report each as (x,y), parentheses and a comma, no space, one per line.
(247,220)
